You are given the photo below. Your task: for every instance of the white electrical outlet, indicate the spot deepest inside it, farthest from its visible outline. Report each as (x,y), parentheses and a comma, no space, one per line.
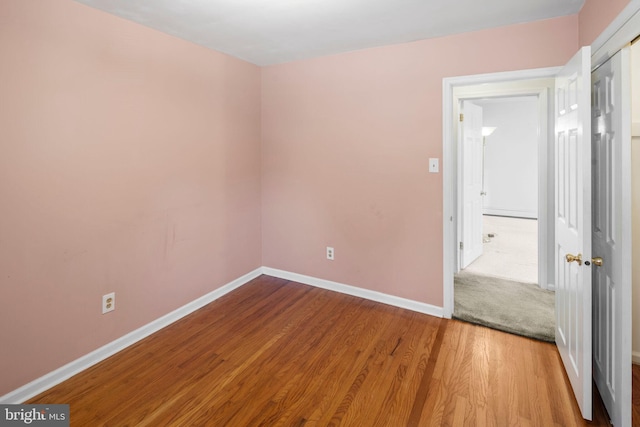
(330,253)
(108,302)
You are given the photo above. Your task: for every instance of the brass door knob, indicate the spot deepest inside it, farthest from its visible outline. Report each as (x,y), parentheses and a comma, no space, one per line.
(597,261)
(572,258)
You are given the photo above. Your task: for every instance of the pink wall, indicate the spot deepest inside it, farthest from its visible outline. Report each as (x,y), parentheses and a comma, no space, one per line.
(129,162)
(345,147)
(595,16)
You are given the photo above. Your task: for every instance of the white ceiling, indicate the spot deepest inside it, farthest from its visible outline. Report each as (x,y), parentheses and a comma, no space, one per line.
(268,32)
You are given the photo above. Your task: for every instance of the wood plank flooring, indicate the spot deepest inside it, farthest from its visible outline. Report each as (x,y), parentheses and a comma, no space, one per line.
(636,396)
(275,352)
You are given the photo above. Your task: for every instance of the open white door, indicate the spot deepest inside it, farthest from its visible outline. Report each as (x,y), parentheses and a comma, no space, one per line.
(611,140)
(573,224)
(471,244)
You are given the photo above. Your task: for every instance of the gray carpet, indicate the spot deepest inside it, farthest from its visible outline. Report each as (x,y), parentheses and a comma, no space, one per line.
(518,308)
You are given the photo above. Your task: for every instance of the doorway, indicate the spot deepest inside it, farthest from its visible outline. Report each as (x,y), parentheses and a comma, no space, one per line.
(499,189)
(509,202)
(537,83)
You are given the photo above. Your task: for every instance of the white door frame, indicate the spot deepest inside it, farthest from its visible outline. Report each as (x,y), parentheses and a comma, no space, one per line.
(451,206)
(622,31)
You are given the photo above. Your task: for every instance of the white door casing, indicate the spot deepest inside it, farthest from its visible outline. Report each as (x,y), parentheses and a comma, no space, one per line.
(611,144)
(509,83)
(471,173)
(573,224)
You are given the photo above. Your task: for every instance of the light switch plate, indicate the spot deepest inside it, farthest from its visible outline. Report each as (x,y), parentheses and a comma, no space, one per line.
(434,165)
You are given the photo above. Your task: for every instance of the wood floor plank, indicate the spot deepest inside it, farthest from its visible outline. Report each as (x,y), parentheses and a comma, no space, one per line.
(422,344)
(339,398)
(251,375)
(635,395)
(479,376)
(426,368)
(346,374)
(279,353)
(298,390)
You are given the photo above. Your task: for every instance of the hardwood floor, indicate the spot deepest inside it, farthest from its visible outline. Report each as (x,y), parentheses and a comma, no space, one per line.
(636,396)
(275,352)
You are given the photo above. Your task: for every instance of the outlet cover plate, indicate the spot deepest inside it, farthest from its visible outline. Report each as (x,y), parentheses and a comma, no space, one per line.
(330,253)
(108,302)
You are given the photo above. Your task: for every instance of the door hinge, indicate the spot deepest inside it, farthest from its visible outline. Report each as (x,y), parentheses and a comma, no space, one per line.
(461,117)
(461,246)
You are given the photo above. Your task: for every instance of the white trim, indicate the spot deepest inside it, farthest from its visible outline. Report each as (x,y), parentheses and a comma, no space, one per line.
(408,304)
(636,357)
(502,76)
(449,249)
(49,380)
(625,347)
(620,32)
(449,161)
(511,213)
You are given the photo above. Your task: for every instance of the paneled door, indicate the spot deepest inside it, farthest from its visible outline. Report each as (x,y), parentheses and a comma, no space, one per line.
(572,147)
(611,142)
(472,198)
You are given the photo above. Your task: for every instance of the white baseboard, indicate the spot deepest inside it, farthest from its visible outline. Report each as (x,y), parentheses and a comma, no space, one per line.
(357,292)
(635,357)
(49,380)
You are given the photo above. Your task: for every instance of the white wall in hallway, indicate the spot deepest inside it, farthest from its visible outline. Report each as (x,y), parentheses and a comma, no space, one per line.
(511,156)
